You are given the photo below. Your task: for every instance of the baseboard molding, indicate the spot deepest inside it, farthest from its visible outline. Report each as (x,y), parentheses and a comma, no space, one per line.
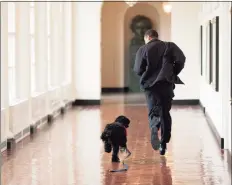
(228,155)
(202,107)
(30,130)
(213,128)
(214,131)
(111,90)
(86,102)
(186,102)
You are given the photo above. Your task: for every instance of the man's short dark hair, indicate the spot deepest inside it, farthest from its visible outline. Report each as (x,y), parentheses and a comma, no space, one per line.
(151,33)
(122,119)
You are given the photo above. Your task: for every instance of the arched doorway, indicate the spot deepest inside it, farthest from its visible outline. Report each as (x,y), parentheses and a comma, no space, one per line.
(115,39)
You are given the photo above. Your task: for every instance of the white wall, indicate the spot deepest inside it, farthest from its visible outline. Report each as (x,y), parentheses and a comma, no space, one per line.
(185,33)
(217,104)
(186,20)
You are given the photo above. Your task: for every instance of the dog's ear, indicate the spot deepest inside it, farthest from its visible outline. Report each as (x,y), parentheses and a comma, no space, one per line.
(122,119)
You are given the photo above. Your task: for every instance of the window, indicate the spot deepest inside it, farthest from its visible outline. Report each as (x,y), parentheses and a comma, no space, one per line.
(48,17)
(11,67)
(32,46)
(11,51)
(11,17)
(49,42)
(32,18)
(62,46)
(67,28)
(49,61)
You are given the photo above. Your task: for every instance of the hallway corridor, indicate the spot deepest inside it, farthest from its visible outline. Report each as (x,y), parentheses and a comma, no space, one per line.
(58,53)
(69,152)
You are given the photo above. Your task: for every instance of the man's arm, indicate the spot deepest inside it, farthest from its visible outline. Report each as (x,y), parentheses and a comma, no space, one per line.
(178,57)
(140,62)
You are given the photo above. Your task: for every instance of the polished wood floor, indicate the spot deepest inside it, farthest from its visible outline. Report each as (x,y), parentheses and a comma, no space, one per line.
(69,152)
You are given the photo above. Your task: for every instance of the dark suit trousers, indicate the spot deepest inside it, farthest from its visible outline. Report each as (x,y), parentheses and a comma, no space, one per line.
(159,102)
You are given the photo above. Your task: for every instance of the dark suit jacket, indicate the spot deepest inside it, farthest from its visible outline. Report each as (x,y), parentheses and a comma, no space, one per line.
(159,61)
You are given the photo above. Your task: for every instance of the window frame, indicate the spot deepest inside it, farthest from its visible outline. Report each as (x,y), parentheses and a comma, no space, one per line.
(12,68)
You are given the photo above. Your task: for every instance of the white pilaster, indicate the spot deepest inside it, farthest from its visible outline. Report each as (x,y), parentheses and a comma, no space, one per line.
(87,49)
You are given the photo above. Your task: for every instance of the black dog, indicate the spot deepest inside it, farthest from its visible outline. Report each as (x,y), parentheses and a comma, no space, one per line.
(115,136)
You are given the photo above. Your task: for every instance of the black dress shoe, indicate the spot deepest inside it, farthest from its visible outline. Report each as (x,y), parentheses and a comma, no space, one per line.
(115,159)
(162,149)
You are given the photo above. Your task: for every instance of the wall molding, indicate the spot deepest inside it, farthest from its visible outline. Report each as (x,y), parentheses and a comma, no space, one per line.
(186,102)
(213,129)
(109,90)
(228,155)
(86,102)
(10,143)
(202,107)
